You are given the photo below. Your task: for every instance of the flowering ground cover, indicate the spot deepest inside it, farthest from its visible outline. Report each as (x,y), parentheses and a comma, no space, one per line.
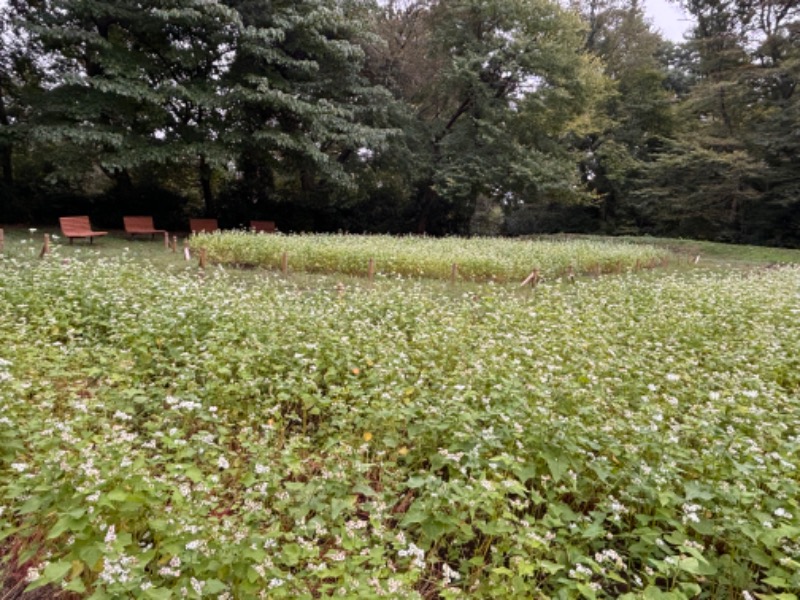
(167,435)
(477,259)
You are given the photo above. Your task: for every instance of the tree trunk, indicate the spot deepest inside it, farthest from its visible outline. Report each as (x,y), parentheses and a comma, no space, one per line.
(427,199)
(204,170)
(5,150)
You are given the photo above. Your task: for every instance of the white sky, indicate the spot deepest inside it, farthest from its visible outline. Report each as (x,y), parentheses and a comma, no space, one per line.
(668,18)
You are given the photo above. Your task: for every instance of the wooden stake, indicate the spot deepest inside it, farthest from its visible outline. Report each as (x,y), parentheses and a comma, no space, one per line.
(453,273)
(2,240)
(532,279)
(371,270)
(187,255)
(45,247)
(285,263)
(174,243)
(202,258)
(166,240)
(697,259)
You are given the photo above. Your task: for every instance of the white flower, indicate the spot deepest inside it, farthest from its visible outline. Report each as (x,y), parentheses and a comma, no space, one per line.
(223,463)
(111,535)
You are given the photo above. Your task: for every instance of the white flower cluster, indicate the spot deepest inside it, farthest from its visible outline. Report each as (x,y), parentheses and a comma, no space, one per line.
(690,513)
(417,553)
(610,556)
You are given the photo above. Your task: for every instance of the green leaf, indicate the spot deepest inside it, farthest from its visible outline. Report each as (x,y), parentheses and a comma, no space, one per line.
(194,474)
(586,591)
(291,554)
(57,570)
(76,585)
(776,582)
(60,527)
(214,586)
(557,464)
(696,567)
(117,495)
(158,593)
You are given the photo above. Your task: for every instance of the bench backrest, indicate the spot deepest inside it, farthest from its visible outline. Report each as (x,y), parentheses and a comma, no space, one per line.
(75,226)
(203,225)
(263,226)
(138,223)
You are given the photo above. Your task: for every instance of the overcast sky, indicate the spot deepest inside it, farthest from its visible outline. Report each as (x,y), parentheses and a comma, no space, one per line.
(667,18)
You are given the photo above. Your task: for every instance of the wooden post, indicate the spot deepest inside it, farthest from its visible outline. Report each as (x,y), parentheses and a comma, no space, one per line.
(166,240)
(371,270)
(174,243)
(453,273)
(202,258)
(285,263)
(697,259)
(532,279)
(187,255)
(2,240)
(45,247)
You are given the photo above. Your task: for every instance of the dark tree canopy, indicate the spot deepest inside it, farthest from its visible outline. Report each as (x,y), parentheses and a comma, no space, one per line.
(443,116)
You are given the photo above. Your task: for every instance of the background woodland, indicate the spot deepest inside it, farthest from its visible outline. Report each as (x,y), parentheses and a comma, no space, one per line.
(479,117)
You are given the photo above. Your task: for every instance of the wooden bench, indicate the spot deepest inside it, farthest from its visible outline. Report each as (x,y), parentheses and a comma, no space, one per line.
(141,226)
(203,225)
(79,227)
(262,226)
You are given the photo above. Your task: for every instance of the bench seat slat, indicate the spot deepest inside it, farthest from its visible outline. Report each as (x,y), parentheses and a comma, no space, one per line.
(79,227)
(141,225)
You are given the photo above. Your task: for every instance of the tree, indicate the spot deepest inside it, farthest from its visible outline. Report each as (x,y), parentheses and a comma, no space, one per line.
(638,112)
(493,87)
(129,84)
(299,108)
(246,87)
(735,148)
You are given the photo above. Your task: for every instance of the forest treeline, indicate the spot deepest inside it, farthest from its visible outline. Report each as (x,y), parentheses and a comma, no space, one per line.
(440,116)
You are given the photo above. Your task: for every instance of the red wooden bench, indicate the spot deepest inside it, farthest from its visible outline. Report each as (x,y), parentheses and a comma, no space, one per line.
(79,227)
(203,225)
(262,226)
(141,226)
